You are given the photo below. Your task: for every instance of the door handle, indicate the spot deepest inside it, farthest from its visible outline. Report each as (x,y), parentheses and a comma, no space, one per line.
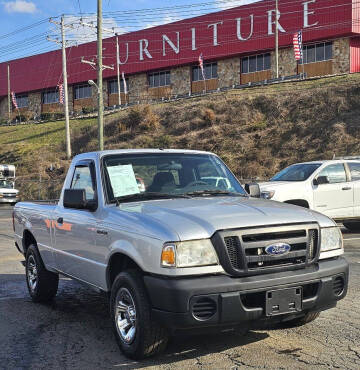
(60,220)
(347,188)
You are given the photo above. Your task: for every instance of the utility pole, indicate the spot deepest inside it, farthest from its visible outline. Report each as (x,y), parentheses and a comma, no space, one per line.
(66,98)
(118,68)
(100,76)
(9,92)
(65,78)
(277,39)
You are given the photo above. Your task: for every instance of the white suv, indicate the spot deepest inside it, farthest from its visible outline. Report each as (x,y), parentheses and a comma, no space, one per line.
(330,187)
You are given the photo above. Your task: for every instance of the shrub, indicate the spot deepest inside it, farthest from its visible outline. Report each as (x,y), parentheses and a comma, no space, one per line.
(209,116)
(46,116)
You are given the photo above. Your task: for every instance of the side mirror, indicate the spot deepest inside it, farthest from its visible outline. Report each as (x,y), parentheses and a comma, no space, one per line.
(253,190)
(321,180)
(76,199)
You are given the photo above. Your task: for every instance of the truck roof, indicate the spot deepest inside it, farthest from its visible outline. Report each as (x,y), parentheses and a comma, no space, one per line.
(339,160)
(136,151)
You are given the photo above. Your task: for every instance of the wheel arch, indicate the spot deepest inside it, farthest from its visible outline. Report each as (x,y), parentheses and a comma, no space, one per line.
(119,262)
(27,240)
(298,202)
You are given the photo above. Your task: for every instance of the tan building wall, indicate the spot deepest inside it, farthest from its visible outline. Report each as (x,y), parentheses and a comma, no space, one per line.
(138,86)
(181,80)
(341,56)
(229,72)
(287,63)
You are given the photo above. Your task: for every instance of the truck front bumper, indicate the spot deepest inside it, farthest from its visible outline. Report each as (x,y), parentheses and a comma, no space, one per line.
(8,200)
(225,301)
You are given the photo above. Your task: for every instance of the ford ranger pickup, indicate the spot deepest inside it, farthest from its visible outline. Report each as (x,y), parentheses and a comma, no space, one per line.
(176,252)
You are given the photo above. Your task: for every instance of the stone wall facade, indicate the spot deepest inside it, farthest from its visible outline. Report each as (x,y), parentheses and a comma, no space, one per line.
(287,63)
(138,87)
(181,80)
(341,56)
(229,72)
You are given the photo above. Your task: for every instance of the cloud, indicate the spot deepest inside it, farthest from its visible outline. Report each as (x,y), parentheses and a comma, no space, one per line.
(20,6)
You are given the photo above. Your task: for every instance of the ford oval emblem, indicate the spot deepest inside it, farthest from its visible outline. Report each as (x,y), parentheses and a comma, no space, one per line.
(278,249)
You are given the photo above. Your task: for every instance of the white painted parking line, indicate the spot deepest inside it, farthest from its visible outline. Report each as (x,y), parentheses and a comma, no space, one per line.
(352,239)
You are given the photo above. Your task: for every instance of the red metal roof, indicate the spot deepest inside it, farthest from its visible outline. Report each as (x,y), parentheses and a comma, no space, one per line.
(326,19)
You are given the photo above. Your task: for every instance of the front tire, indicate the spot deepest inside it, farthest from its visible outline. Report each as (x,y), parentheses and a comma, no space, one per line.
(42,284)
(353,226)
(136,334)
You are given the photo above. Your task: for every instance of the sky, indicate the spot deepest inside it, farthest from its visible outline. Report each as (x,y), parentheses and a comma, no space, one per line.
(17,40)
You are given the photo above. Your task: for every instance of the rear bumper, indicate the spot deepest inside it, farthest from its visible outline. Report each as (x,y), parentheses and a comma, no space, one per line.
(241,301)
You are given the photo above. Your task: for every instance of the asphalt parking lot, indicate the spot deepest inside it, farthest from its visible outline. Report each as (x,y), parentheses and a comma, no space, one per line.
(74,331)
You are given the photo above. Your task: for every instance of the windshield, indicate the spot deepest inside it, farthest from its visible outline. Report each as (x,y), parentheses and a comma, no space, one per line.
(5,184)
(296,172)
(145,175)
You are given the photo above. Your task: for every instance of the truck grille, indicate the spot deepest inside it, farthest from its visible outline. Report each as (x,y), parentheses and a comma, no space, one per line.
(246,252)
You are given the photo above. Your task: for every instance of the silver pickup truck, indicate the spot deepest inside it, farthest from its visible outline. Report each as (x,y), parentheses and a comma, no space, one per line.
(176,250)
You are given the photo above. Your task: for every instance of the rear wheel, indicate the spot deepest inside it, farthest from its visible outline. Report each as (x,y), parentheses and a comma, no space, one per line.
(353,226)
(42,284)
(136,334)
(309,317)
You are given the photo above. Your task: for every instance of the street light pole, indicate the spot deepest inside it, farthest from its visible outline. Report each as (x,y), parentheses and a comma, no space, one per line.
(277,38)
(100,77)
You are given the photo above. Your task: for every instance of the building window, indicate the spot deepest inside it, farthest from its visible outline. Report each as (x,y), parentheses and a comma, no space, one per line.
(22,100)
(82,92)
(113,86)
(159,79)
(50,97)
(210,72)
(317,53)
(256,63)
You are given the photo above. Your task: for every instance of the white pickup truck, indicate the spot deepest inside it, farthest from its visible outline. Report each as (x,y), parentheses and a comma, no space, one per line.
(175,251)
(8,193)
(330,187)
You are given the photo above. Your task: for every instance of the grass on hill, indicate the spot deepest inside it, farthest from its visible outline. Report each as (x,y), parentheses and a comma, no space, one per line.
(256,131)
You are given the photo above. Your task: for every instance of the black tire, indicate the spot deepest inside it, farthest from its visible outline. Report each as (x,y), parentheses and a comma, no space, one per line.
(309,317)
(44,284)
(149,338)
(353,226)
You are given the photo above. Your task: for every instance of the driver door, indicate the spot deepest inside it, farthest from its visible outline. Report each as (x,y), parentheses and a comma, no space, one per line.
(336,198)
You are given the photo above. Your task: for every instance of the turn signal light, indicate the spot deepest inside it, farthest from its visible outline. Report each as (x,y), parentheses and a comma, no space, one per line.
(168,256)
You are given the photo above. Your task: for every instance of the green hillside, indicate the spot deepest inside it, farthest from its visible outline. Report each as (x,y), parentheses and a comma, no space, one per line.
(256,131)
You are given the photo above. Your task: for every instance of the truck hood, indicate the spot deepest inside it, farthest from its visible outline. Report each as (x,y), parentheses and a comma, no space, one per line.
(200,218)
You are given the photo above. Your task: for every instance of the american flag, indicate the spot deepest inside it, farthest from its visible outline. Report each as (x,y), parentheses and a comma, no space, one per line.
(13,97)
(201,64)
(124,81)
(298,45)
(61,93)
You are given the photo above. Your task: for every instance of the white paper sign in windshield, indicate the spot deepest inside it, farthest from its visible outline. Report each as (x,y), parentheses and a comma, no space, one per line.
(123,180)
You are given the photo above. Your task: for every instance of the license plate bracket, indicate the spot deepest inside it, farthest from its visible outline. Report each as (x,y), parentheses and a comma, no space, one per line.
(283,301)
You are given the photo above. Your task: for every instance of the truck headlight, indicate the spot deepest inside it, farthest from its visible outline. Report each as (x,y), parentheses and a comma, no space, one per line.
(267,194)
(331,242)
(193,253)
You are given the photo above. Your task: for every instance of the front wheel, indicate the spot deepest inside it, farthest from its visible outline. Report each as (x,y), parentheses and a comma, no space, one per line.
(353,226)
(136,334)
(42,284)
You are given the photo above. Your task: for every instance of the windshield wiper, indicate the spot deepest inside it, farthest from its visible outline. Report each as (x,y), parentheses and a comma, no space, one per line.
(214,192)
(148,196)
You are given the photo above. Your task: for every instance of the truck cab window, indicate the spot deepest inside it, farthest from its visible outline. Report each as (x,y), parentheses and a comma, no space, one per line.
(82,179)
(335,173)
